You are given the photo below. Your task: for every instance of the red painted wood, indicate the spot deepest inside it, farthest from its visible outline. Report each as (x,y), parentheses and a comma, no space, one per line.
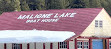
(67,44)
(83,45)
(93,37)
(107,43)
(75,43)
(58,45)
(20,46)
(5,47)
(35,45)
(90,43)
(43,45)
(51,45)
(28,46)
(12,45)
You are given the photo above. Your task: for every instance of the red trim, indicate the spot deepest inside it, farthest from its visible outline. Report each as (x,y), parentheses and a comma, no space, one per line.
(43,45)
(71,40)
(83,45)
(28,46)
(5,46)
(90,43)
(51,45)
(35,45)
(67,44)
(58,45)
(12,45)
(75,43)
(20,46)
(92,37)
(107,43)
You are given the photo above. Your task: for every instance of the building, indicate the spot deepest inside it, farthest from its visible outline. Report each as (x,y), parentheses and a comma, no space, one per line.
(92,27)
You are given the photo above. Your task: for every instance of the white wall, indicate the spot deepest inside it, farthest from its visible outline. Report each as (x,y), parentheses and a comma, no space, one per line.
(103,32)
(55,45)
(9,46)
(31,46)
(1,45)
(47,45)
(72,44)
(24,45)
(39,45)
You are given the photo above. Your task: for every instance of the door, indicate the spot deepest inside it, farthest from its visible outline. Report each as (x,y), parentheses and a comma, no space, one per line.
(97,44)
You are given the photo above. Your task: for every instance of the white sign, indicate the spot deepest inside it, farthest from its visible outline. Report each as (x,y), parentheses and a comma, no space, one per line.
(51,17)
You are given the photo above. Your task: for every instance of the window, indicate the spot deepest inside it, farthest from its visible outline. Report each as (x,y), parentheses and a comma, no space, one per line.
(82,45)
(16,46)
(98,23)
(109,45)
(85,45)
(79,44)
(63,44)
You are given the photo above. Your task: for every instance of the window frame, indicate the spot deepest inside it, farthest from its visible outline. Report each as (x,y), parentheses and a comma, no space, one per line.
(82,44)
(16,46)
(109,45)
(62,44)
(98,23)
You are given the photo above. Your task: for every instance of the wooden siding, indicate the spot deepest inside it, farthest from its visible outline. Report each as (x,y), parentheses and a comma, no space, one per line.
(71,45)
(2,46)
(24,45)
(39,45)
(9,46)
(55,45)
(101,32)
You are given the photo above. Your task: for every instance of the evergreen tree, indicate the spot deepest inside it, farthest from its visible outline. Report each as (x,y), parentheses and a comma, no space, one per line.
(54,4)
(16,4)
(37,4)
(40,4)
(24,5)
(95,3)
(80,4)
(64,4)
(58,4)
(108,7)
(6,6)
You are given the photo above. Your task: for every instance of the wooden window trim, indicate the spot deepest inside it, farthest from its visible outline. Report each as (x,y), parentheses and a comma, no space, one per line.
(82,43)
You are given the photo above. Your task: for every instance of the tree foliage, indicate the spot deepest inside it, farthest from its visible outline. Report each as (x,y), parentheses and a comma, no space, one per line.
(26,5)
(6,6)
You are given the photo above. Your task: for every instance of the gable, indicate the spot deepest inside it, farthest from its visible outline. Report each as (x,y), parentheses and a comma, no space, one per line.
(75,20)
(99,32)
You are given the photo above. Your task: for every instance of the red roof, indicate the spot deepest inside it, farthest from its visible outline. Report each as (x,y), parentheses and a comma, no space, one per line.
(76,24)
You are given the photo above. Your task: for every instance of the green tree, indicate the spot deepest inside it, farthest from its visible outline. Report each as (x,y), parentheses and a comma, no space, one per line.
(40,4)
(54,4)
(64,4)
(79,3)
(95,3)
(24,5)
(16,4)
(36,4)
(6,6)
(58,4)
(108,6)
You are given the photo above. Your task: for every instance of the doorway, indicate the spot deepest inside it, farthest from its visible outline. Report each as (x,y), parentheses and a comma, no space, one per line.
(97,44)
